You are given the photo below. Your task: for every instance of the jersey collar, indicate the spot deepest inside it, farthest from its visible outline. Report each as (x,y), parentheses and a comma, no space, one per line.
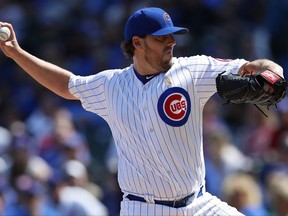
(144,78)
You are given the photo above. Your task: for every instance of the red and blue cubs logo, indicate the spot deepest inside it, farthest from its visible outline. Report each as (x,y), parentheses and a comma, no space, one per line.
(174,106)
(166,17)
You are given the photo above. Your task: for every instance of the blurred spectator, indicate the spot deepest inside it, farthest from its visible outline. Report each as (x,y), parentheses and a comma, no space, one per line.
(75,174)
(38,169)
(279,141)
(73,200)
(257,133)
(64,142)
(6,191)
(243,192)
(113,194)
(40,121)
(29,199)
(277,187)
(5,139)
(222,158)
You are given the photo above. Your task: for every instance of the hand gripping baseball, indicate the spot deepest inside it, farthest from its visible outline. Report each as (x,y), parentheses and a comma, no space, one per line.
(9,43)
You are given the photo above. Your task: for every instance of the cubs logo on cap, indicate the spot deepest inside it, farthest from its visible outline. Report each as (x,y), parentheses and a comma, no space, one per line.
(174,106)
(166,17)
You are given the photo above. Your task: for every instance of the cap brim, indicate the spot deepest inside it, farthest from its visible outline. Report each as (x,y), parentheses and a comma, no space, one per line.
(170,30)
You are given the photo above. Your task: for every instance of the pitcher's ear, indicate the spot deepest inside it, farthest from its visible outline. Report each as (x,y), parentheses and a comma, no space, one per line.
(137,42)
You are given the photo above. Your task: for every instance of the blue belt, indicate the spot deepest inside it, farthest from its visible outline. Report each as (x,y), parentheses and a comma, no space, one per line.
(175,204)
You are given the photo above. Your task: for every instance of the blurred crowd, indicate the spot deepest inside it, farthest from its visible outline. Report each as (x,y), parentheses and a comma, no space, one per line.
(57,159)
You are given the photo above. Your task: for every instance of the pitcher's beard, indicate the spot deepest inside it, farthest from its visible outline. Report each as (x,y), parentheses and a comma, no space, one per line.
(166,65)
(161,64)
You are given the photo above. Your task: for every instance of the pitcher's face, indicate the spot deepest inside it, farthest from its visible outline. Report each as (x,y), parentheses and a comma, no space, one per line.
(158,51)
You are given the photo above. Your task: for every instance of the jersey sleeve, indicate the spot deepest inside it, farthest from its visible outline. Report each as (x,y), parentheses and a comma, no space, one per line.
(90,91)
(204,70)
(207,68)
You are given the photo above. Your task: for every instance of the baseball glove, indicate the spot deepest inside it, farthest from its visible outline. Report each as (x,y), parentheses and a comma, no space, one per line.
(263,88)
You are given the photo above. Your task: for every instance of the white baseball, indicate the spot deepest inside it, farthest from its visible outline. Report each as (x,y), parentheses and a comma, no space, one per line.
(4,33)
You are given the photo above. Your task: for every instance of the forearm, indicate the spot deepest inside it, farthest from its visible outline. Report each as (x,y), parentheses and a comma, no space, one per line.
(50,76)
(260,65)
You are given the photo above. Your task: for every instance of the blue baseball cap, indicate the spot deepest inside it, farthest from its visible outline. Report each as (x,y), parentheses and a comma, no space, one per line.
(151,21)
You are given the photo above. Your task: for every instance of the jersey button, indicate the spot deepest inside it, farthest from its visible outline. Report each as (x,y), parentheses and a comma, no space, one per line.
(151,130)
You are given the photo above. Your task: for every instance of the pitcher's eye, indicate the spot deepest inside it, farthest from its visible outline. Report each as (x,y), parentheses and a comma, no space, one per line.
(160,38)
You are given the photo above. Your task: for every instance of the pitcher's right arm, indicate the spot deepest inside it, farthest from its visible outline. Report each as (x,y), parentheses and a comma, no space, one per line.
(47,74)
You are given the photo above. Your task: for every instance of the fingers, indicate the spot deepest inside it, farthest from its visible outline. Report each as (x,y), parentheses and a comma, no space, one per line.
(243,70)
(279,70)
(260,65)
(8,25)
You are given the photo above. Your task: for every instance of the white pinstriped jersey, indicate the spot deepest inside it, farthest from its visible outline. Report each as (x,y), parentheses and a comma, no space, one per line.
(157,126)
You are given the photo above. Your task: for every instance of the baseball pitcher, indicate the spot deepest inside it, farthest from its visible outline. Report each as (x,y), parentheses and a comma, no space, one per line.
(154,108)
